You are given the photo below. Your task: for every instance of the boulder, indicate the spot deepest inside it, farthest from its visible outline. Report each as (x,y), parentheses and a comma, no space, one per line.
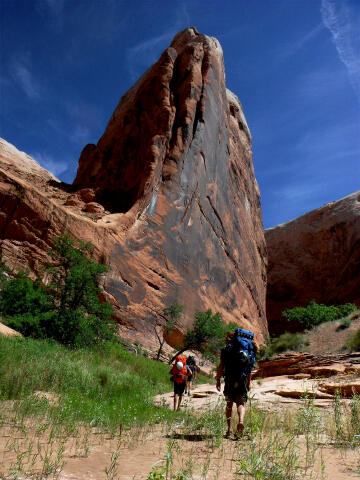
(314,257)
(8,332)
(74,201)
(87,195)
(93,207)
(174,169)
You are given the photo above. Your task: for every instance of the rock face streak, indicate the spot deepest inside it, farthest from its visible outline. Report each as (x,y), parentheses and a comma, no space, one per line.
(177,207)
(316,256)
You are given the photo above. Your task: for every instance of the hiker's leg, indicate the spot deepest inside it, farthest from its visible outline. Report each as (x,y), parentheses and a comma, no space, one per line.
(189,386)
(228,413)
(175,400)
(241,413)
(179,402)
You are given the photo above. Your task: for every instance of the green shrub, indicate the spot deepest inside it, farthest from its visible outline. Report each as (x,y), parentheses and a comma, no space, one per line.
(67,310)
(316,313)
(344,323)
(20,295)
(353,342)
(285,342)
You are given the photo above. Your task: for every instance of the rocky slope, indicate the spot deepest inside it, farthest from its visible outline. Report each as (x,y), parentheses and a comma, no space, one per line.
(168,197)
(316,256)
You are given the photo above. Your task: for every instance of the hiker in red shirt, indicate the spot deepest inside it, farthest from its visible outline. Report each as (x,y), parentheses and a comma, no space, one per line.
(179,375)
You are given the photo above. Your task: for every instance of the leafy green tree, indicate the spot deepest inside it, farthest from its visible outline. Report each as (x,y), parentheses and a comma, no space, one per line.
(316,313)
(21,295)
(80,318)
(68,309)
(206,336)
(172,315)
(25,304)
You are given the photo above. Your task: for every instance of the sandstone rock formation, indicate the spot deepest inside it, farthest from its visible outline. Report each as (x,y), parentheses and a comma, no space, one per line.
(316,256)
(168,197)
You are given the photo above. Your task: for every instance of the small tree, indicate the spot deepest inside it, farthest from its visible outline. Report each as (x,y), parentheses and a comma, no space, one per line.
(80,318)
(172,315)
(206,336)
(68,309)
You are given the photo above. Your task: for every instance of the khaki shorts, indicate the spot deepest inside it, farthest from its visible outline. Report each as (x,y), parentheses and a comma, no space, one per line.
(236,391)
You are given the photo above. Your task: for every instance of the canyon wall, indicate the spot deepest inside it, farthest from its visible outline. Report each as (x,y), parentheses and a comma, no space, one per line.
(168,197)
(314,257)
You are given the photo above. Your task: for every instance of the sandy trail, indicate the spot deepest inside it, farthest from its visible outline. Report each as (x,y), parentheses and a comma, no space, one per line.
(143,447)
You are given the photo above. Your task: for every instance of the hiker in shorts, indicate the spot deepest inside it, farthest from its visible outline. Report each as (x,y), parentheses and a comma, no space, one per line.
(191,366)
(237,375)
(179,375)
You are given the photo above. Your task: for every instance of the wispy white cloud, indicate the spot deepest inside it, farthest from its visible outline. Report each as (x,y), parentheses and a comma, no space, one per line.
(293,48)
(21,73)
(300,192)
(56,167)
(343,21)
(143,54)
(140,56)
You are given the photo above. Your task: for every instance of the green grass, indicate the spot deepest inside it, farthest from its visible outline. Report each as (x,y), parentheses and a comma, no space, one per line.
(106,387)
(294,342)
(353,342)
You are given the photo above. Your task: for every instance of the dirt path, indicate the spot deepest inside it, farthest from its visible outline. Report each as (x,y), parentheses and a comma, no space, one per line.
(139,450)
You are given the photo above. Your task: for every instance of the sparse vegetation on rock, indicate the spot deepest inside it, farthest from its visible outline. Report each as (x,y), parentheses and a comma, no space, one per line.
(286,342)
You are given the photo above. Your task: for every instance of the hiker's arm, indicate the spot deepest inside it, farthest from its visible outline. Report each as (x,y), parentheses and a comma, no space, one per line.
(219,375)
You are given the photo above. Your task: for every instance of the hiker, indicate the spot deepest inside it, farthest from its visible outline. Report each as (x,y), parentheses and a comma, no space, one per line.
(179,375)
(192,369)
(236,363)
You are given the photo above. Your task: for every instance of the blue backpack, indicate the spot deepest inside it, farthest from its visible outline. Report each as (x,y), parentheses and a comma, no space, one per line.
(239,356)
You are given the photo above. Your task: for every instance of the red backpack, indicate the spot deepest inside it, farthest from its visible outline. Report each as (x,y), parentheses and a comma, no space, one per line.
(179,376)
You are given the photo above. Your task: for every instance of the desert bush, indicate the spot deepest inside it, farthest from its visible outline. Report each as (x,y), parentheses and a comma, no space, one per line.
(285,342)
(353,342)
(354,315)
(344,323)
(316,313)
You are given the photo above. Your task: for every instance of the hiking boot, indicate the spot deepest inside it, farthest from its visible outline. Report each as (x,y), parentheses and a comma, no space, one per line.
(239,431)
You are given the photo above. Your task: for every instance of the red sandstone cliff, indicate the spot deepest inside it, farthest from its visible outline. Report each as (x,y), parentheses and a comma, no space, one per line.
(316,256)
(168,197)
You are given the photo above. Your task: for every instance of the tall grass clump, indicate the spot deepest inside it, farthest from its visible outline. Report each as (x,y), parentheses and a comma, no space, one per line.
(353,342)
(107,386)
(294,342)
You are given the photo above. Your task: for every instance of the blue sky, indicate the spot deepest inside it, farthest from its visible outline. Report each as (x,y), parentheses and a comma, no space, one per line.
(294,64)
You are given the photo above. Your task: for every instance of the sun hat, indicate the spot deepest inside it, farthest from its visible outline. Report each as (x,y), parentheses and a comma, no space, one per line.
(179,365)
